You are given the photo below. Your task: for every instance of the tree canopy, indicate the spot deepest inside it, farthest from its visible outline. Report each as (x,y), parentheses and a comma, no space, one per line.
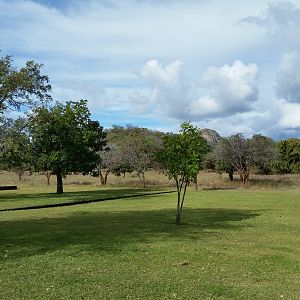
(288,156)
(65,139)
(24,87)
(15,146)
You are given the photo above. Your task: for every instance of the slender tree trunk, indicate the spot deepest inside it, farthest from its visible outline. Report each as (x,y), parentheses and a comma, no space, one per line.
(143,179)
(59,185)
(105,176)
(183,197)
(177,222)
(230,174)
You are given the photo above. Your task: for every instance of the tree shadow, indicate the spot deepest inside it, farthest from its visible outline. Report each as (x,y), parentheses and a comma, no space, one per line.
(75,196)
(115,231)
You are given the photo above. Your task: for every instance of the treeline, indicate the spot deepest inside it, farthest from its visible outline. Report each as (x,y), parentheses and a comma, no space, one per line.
(259,155)
(59,139)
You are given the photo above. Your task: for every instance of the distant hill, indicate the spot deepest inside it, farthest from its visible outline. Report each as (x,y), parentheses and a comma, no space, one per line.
(117,134)
(211,136)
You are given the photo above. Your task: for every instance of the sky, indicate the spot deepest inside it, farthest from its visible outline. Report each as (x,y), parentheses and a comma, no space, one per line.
(232,66)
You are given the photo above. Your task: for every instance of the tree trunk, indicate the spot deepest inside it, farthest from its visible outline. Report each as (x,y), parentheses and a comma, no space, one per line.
(142,178)
(177,222)
(48,174)
(20,175)
(101,178)
(105,176)
(196,183)
(243,176)
(59,186)
(178,216)
(183,197)
(230,174)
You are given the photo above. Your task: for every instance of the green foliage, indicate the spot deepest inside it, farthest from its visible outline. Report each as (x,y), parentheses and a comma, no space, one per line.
(134,150)
(16,149)
(24,87)
(65,139)
(263,152)
(182,158)
(288,156)
(183,153)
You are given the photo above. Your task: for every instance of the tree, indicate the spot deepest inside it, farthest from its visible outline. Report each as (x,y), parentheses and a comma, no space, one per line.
(24,87)
(244,154)
(182,158)
(214,161)
(139,151)
(65,139)
(263,153)
(288,156)
(16,148)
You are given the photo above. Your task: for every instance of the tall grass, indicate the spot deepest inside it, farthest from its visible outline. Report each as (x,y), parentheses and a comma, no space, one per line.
(206,180)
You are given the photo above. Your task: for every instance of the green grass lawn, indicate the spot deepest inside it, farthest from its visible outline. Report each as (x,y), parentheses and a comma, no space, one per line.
(44,195)
(239,244)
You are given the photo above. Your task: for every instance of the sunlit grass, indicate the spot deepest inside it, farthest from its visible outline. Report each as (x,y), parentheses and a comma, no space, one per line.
(235,244)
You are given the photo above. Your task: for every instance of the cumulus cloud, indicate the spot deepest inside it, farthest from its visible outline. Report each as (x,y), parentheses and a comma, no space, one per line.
(170,90)
(231,89)
(221,92)
(90,49)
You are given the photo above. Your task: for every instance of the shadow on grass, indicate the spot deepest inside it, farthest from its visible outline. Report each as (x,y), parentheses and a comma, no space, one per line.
(73,196)
(83,201)
(115,231)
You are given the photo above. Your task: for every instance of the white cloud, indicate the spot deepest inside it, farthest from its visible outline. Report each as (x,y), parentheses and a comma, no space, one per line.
(290,115)
(231,89)
(288,77)
(90,49)
(227,90)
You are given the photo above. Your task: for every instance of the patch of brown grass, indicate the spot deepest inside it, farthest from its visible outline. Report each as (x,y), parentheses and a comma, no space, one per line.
(206,180)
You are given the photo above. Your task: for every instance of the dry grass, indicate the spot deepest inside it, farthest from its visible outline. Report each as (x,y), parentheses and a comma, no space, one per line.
(206,180)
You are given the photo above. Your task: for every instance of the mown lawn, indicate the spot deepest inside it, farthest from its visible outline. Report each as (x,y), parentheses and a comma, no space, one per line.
(239,244)
(44,195)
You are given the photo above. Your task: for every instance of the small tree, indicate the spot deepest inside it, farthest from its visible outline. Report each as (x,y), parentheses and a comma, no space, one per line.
(65,139)
(21,88)
(181,158)
(16,148)
(110,159)
(244,154)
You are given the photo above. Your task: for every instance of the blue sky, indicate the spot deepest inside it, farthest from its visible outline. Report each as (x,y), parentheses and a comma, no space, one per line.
(232,66)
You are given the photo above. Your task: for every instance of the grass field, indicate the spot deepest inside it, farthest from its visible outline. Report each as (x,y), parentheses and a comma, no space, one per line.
(233,244)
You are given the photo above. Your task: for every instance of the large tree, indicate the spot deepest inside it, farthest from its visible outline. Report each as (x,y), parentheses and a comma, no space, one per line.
(22,88)
(181,158)
(65,139)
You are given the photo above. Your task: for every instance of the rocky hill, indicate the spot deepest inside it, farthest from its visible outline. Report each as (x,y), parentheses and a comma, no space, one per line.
(211,136)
